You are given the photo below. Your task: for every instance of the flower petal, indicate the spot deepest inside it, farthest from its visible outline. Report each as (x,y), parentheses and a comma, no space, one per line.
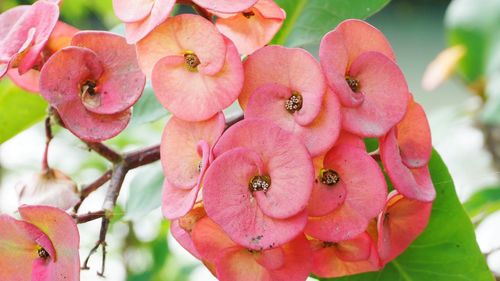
(121,82)
(136,31)
(385,96)
(62,231)
(291,67)
(399,224)
(226,6)
(132,10)
(412,183)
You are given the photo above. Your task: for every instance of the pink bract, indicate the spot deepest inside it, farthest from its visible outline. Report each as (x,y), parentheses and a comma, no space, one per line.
(413,183)
(141,17)
(43,247)
(226,6)
(255,215)
(252,28)
(24,31)
(93,88)
(382,94)
(365,194)
(186,152)
(233,262)
(348,257)
(293,68)
(340,47)
(401,222)
(268,102)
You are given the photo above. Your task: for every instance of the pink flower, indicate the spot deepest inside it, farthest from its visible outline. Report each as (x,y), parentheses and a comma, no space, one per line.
(360,68)
(353,256)
(276,102)
(41,247)
(399,224)
(354,183)
(253,28)
(182,229)
(405,152)
(258,186)
(59,38)
(92,84)
(195,71)
(24,31)
(186,152)
(233,262)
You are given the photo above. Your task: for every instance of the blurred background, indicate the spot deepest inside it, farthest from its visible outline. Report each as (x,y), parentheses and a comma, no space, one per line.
(138,248)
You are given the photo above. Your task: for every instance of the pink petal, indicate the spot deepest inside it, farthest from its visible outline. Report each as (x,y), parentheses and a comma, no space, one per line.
(179,35)
(251,33)
(184,238)
(240,264)
(210,240)
(349,257)
(297,264)
(385,96)
(29,81)
(18,244)
(342,46)
(62,231)
(121,82)
(8,27)
(229,202)
(294,68)
(414,137)
(285,158)
(399,224)
(42,16)
(268,102)
(176,202)
(180,154)
(137,30)
(366,192)
(271,259)
(182,91)
(346,138)
(60,83)
(412,183)
(132,10)
(325,199)
(226,6)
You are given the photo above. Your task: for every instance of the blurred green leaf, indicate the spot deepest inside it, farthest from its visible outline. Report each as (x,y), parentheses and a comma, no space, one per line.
(446,250)
(145,192)
(307,21)
(148,109)
(483,203)
(19,110)
(474,24)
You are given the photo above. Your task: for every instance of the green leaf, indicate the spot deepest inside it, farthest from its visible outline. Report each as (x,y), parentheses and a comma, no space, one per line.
(145,192)
(484,202)
(148,109)
(307,21)
(19,110)
(446,250)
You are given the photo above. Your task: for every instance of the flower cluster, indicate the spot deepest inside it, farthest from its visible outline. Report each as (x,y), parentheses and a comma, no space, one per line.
(286,191)
(291,189)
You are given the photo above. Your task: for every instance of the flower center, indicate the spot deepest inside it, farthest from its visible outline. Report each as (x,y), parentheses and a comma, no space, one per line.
(89,94)
(353,83)
(42,253)
(328,177)
(248,14)
(329,244)
(191,61)
(259,183)
(294,103)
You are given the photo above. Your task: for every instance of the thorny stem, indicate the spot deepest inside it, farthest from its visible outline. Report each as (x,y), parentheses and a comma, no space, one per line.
(84,218)
(88,189)
(105,151)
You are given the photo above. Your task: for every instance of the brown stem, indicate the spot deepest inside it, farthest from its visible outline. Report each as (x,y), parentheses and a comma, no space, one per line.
(48,138)
(87,189)
(89,216)
(105,151)
(142,157)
